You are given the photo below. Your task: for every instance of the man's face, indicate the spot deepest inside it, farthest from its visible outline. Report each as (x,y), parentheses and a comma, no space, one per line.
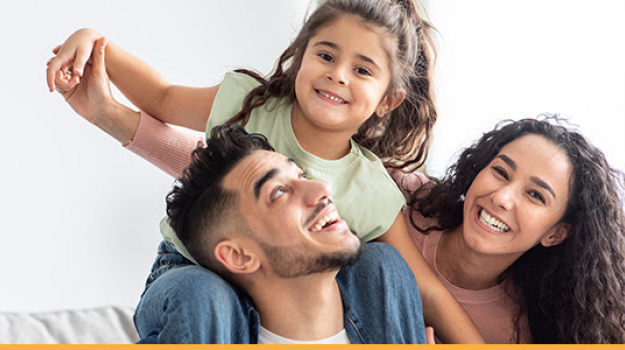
(292,218)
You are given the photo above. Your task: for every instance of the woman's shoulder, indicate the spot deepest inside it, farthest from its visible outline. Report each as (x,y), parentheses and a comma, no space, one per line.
(408,182)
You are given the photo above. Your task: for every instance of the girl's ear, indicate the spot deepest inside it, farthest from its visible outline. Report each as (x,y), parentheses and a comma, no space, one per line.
(235,257)
(560,233)
(390,102)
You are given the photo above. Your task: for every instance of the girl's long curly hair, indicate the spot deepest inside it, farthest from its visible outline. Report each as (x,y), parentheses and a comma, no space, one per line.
(573,292)
(403,137)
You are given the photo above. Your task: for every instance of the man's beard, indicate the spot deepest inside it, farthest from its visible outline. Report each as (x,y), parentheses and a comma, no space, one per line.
(296,262)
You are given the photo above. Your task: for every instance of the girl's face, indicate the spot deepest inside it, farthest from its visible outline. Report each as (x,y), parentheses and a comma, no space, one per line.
(517,201)
(343,78)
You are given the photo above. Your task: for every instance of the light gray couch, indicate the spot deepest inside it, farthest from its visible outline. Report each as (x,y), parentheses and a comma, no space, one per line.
(105,325)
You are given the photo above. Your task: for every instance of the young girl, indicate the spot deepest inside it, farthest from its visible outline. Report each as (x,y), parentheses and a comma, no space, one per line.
(527,230)
(353,86)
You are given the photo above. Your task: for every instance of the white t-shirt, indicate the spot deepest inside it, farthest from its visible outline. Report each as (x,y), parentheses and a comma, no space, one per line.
(267,337)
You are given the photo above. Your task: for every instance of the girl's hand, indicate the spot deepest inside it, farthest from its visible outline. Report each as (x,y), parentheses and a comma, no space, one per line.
(90,96)
(71,57)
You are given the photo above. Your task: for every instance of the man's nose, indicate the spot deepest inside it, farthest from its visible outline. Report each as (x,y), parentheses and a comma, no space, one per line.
(315,192)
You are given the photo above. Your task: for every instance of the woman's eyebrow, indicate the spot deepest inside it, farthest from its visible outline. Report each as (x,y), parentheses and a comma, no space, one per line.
(544,185)
(507,160)
(534,179)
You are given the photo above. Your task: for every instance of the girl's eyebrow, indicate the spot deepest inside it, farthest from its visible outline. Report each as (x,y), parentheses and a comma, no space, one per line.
(336,47)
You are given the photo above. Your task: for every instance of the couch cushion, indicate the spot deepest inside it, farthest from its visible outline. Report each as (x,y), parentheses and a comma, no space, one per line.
(105,325)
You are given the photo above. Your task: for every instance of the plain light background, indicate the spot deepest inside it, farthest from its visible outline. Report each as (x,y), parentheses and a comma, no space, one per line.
(80,214)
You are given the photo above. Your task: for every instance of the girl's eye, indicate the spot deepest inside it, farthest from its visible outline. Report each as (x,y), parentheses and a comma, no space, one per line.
(277,193)
(304,177)
(501,172)
(326,57)
(537,195)
(363,71)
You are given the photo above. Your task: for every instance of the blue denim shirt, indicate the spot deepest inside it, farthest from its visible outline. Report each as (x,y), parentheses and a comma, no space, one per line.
(381,302)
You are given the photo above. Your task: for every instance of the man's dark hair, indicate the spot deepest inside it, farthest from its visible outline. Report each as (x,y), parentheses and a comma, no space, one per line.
(198,206)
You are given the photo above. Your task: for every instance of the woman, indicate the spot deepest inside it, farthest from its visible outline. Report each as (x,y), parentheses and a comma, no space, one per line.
(526,230)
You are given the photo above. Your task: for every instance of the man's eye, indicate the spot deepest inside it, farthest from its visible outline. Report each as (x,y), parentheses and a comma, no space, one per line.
(277,193)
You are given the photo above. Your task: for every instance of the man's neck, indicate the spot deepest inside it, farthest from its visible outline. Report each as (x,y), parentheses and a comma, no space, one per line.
(305,308)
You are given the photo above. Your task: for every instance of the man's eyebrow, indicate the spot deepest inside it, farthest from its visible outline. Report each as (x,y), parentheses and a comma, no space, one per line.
(336,47)
(259,184)
(268,176)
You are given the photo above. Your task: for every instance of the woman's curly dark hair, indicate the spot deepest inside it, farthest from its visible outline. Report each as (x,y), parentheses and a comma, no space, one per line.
(573,292)
(404,136)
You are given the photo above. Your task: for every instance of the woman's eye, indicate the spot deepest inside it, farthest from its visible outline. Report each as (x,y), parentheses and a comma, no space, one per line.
(326,57)
(537,195)
(363,71)
(304,177)
(501,172)
(277,193)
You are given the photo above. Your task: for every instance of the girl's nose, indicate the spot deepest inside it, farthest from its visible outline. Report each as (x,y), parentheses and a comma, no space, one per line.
(338,75)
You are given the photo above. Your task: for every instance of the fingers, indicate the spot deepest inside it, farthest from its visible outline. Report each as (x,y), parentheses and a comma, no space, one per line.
(56,49)
(98,65)
(82,56)
(429,335)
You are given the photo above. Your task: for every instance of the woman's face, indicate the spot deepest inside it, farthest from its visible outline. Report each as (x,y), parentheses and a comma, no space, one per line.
(517,201)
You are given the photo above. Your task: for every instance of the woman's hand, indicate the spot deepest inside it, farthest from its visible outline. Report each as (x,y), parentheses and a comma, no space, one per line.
(90,96)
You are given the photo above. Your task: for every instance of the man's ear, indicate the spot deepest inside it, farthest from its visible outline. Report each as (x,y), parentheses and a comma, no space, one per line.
(559,234)
(235,257)
(390,102)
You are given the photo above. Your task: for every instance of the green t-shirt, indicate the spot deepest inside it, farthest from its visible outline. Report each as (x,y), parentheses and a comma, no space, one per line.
(365,195)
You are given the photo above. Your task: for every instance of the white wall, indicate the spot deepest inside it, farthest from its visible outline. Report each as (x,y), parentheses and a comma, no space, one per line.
(519,58)
(80,214)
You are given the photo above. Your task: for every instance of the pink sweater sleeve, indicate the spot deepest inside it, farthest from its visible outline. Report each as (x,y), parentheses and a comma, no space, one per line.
(167,147)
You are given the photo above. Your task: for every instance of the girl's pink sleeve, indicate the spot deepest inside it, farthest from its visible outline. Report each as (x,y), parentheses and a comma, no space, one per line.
(167,147)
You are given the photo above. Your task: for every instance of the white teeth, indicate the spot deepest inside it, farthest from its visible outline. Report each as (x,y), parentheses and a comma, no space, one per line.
(333,98)
(324,221)
(492,222)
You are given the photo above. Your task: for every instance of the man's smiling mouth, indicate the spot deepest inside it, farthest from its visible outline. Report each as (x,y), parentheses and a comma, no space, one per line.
(325,221)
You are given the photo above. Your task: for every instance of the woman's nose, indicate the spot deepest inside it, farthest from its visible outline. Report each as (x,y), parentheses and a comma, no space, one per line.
(504,198)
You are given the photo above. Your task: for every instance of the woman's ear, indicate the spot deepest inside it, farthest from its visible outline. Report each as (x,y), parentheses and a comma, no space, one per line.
(559,234)
(235,257)
(390,102)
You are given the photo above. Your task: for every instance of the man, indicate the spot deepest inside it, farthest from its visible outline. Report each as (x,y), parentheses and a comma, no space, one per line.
(300,275)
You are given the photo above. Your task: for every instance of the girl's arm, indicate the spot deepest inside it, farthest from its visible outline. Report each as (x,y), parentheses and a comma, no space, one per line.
(440,309)
(141,84)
